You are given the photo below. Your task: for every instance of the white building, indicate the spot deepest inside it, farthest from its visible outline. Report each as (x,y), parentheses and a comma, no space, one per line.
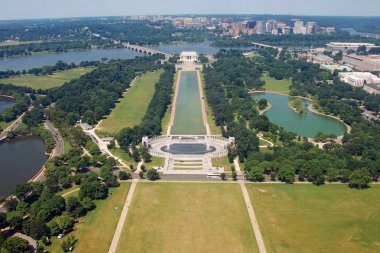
(359,79)
(188,57)
(344,46)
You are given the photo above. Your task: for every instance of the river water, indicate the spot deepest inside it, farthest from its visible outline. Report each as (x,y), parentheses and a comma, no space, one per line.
(308,124)
(20,160)
(5,103)
(35,61)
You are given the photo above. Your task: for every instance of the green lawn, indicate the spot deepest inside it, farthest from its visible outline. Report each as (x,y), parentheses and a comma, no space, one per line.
(96,233)
(123,156)
(187,217)
(222,162)
(307,218)
(133,105)
(272,84)
(49,81)
(155,162)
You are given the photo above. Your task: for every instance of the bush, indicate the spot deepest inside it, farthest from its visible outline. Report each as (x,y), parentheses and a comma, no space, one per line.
(152,175)
(124,175)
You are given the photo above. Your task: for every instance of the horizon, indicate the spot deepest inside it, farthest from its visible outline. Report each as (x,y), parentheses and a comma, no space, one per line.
(40,9)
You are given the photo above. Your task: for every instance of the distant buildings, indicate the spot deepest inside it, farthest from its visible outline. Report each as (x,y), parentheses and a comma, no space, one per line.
(367,80)
(345,46)
(363,62)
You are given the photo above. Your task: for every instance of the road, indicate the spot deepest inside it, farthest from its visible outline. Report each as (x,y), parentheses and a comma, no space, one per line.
(59,144)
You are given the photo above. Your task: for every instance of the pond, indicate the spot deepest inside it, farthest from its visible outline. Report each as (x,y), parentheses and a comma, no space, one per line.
(307,124)
(188,118)
(188,149)
(20,160)
(5,103)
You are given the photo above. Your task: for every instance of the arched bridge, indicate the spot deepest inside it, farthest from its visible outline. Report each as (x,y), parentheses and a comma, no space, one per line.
(145,50)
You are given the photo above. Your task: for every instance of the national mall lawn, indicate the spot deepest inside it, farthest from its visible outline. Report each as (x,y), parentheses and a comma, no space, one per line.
(187,217)
(132,107)
(308,218)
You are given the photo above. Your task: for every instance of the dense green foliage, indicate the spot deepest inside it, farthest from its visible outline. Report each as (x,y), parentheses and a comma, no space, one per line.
(21,101)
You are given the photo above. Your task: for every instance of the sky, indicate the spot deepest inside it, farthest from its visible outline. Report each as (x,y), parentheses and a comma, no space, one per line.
(27,9)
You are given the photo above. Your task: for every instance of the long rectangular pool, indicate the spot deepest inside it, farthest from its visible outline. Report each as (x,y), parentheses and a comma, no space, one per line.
(188,118)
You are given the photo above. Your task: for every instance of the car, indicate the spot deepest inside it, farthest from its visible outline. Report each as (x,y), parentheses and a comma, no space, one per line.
(60,236)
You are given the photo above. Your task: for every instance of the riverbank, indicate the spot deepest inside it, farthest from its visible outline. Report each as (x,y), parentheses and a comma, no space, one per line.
(269,106)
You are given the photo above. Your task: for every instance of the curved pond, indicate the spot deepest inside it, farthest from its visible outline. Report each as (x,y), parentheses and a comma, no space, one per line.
(188,149)
(307,124)
(6,102)
(21,159)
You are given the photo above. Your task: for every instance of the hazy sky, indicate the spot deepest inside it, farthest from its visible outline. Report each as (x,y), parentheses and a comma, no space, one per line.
(24,9)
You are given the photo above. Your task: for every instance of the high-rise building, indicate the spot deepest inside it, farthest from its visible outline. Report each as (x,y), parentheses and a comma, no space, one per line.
(271,25)
(261,27)
(251,24)
(298,27)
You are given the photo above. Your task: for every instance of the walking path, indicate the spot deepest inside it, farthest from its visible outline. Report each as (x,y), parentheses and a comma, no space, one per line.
(252,217)
(123,216)
(237,166)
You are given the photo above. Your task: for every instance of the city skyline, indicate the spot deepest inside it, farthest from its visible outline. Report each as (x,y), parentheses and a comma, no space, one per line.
(85,8)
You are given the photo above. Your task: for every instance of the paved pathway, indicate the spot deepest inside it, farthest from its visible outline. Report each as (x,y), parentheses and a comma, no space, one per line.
(123,217)
(237,166)
(252,217)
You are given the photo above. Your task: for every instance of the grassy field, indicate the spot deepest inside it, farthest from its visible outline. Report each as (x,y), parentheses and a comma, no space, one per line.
(187,217)
(272,84)
(96,233)
(123,156)
(49,81)
(307,218)
(222,162)
(133,105)
(156,162)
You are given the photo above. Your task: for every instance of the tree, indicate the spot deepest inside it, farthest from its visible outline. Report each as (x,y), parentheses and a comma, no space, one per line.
(152,175)
(35,228)
(124,175)
(68,243)
(87,203)
(141,175)
(16,222)
(234,175)
(223,176)
(3,220)
(11,204)
(15,245)
(66,223)
(359,179)
(256,174)
(93,190)
(286,174)
(55,229)
(74,207)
